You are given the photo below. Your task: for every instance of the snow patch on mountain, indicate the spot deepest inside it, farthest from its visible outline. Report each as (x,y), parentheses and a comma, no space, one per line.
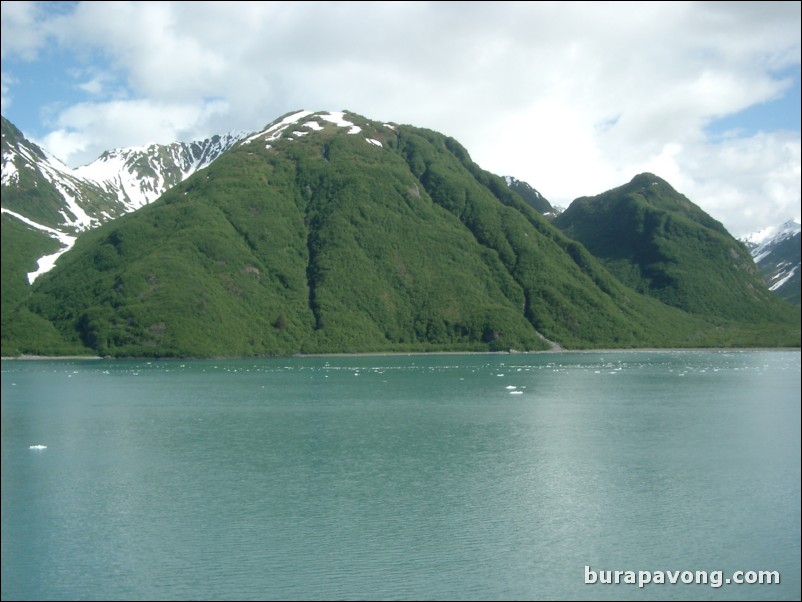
(338,118)
(65,183)
(784,276)
(46,263)
(10,173)
(307,119)
(275,129)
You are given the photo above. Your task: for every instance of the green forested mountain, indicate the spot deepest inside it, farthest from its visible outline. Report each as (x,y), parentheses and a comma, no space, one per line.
(327,232)
(658,242)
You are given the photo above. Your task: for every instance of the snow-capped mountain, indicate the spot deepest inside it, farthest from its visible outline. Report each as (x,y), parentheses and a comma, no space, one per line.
(137,176)
(58,202)
(39,187)
(776,251)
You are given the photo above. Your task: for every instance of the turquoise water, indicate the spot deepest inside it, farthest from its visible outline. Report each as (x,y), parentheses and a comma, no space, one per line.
(400,477)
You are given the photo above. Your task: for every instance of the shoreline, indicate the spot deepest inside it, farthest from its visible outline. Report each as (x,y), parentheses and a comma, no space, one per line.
(28,357)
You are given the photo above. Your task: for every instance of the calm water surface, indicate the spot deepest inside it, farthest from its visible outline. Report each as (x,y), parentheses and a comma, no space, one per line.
(402,477)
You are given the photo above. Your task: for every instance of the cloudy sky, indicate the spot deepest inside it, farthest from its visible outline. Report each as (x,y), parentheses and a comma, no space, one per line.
(574,98)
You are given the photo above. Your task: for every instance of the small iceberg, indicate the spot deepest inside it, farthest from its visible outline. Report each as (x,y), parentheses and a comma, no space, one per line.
(516,392)
(511,387)
(37,447)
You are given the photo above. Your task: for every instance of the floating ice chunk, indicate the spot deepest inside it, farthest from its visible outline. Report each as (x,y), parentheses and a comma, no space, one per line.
(37,446)
(511,387)
(516,392)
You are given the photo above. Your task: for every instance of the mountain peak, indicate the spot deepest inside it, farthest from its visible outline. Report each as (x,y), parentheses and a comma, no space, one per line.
(297,124)
(658,242)
(531,196)
(648,179)
(789,228)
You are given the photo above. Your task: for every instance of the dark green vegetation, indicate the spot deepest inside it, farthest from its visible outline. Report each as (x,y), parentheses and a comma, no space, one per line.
(21,246)
(661,244)
(530,195)
(328,243)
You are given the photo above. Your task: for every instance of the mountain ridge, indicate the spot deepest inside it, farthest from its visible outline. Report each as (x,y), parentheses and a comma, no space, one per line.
(61,202)
(329,232)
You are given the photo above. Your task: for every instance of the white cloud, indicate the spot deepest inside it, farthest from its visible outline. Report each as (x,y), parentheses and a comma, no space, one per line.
(97,83)
(145,122)
(6,81)
(575,98)
(746,182)
(20,33)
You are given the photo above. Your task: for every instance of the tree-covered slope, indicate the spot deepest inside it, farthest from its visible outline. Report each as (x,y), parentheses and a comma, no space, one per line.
(659,243)
(21,246)
(328,232)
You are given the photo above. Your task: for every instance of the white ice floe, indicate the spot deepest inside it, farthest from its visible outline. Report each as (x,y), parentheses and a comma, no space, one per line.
(38,446)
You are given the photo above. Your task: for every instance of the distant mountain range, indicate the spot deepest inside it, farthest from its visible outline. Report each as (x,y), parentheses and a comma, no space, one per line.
(329,232)
(776,251)
(117,182)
